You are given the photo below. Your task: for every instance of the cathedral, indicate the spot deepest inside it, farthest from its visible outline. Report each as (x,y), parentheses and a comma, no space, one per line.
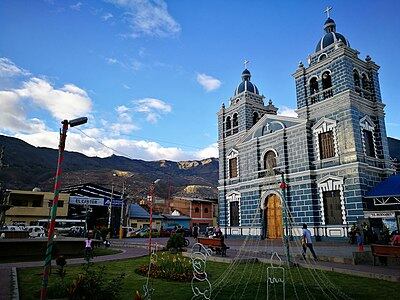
(314,169)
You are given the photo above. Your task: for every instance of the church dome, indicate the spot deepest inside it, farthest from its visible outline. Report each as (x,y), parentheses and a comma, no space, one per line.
(246,85)
(331,36)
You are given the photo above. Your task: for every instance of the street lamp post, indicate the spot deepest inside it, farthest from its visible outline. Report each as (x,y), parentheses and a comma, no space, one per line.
(53,214)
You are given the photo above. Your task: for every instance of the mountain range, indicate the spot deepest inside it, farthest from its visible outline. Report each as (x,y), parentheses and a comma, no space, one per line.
(30,167)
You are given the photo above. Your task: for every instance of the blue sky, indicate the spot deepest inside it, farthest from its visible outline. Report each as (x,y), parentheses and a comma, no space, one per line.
(151,75)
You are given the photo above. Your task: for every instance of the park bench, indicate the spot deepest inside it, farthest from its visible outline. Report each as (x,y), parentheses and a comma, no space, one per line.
(215,244)
(385,251)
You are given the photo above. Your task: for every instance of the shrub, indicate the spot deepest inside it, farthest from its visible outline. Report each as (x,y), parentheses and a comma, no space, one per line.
(92,284)
(176,241)
(169,266)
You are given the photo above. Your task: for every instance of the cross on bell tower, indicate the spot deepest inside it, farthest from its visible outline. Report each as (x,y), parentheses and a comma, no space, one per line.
(327,11)
(246,62)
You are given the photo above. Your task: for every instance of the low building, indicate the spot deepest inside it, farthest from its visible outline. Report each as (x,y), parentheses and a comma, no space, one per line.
(202,212)
(30,206)
(138,217)
(176,220)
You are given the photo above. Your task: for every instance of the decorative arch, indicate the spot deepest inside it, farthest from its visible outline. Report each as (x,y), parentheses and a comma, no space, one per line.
(233,196)
(331,183)
(322,126)
(322,56)
(367,127)
(267,158)
(266,194)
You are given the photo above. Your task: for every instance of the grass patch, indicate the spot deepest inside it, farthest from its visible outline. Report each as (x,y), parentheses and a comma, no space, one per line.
(96,252)
(243,281)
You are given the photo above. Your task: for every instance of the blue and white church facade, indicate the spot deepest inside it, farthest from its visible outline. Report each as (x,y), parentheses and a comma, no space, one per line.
(330,155)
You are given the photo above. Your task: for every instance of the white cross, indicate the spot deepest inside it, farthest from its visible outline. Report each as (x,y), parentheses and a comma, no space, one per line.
(327,10)
(245,63)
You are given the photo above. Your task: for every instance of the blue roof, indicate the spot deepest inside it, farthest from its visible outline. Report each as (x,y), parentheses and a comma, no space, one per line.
(387,188)
(138,212)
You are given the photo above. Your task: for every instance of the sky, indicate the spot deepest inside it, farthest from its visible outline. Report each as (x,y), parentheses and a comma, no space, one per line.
(151,74)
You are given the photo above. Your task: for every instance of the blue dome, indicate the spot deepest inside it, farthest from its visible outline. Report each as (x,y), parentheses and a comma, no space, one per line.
(246,85)
(331,36)
(329,39)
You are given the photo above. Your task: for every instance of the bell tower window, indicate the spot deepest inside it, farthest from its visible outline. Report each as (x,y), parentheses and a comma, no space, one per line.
(314,90)
(235,123)
(357,84)
(255,118)
(228,126)
(366,87)
(327,85)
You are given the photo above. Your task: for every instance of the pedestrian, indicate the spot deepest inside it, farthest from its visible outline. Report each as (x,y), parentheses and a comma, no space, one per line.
(307,242)
(395,239)
(195,231)
(88,248)
(360,241)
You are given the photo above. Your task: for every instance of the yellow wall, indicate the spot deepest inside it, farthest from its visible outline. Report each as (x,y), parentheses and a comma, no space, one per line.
(144,223)
(28,213)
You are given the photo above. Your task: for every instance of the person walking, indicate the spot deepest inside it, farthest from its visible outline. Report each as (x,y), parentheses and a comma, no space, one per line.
(195,231)
(88,248)
(307,243)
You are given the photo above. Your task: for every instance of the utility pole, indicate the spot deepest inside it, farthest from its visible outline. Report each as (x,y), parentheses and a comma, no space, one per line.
(121,220)
(4,200)
(283,187)
(110,210)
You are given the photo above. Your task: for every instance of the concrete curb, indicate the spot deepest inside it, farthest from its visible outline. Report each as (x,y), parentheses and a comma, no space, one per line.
(14,290)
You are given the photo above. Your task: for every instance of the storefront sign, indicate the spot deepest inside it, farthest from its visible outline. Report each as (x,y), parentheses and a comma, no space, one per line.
(81,200)
(379,214)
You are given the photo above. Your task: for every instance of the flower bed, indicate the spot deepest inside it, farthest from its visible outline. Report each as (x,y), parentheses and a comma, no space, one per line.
(169,266)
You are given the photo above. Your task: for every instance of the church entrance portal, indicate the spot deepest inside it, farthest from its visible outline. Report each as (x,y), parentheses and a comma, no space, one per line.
(273,217)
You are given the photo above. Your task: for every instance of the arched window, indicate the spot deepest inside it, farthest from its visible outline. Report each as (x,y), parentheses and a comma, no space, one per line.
(206,210)
(327,85)
(357,83)
(314,89)
(322,57)
(235,123)
(269,160)
(228,126)
(197,210)
(255,118)
(365,84)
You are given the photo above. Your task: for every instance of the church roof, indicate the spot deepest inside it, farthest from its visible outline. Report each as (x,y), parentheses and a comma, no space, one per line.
(331,36)
(246,85)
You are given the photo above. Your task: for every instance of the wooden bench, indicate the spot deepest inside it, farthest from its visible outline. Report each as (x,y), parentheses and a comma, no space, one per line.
(385,251)
(216,244)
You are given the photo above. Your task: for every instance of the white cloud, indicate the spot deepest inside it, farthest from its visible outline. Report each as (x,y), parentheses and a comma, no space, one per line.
(76,6)
(209,151)
(66,103)
(148,17)
(152,108)
(125,124)
(107,16)
(13,117)
(9,69)
(287,112)
(111,60)
(209,83)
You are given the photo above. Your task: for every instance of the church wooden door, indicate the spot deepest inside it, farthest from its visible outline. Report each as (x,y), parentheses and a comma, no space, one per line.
(274,217)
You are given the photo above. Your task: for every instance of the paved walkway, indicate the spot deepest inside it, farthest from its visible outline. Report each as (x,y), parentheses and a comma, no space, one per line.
(5,281)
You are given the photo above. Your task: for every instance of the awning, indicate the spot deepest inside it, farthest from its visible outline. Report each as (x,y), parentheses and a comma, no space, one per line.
(387,188)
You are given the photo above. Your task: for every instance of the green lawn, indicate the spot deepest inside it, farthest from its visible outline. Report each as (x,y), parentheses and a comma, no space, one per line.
(241,281)
(96,252)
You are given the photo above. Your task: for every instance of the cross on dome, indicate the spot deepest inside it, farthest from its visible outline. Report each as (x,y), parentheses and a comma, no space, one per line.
(327,11)
(246,62)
